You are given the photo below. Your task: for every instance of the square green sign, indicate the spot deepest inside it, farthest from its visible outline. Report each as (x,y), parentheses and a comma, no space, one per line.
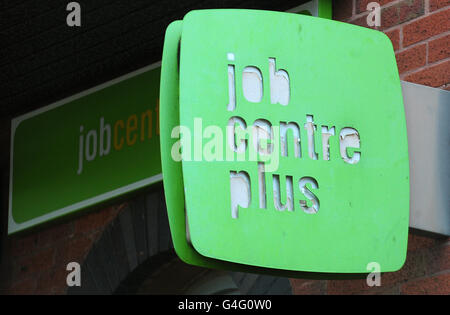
(291,150)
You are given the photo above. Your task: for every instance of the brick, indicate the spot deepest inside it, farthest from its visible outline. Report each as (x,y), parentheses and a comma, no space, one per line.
(438,4)
(23,244)
(361,21)
(412,58)
(302,286)
(361,5)
(437,259)
(95,220)
(426,27)
(75,250)
(401,12)
(342,10)
(413,268)
(33,265)
(54,234)
(394,36)
(52,281)
(24,287)
(339,287)
(418,242)
(439,49)
(383,290)
(5,274)
(396,14)
(433,76)
(439,284)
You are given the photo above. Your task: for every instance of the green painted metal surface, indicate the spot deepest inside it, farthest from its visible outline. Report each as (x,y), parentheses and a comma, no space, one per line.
(85,149)
(354,207)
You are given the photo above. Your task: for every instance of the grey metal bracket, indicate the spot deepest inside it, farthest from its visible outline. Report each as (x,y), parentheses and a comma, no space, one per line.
(427,113)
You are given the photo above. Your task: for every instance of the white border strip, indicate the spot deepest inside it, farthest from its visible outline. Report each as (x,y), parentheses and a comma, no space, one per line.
(311,6)
(14,226)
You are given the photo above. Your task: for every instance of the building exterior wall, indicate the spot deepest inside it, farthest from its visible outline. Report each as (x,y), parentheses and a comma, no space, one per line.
(34,262)
(420,32)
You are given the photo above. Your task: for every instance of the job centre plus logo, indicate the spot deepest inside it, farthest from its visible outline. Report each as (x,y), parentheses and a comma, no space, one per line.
(287,159)
(263,142)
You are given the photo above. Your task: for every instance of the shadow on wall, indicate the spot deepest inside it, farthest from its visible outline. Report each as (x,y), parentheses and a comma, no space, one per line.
(135,255)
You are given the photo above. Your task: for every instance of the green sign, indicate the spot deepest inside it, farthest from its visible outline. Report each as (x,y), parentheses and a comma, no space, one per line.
(320,8)
(283,143)
(86,149)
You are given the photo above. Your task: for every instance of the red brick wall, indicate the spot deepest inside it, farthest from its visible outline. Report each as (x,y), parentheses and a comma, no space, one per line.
(419,31)
(426,271)
(35,262)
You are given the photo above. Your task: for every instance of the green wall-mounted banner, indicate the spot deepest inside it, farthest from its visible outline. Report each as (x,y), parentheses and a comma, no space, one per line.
(283,144)
(91,147)
(88,148)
